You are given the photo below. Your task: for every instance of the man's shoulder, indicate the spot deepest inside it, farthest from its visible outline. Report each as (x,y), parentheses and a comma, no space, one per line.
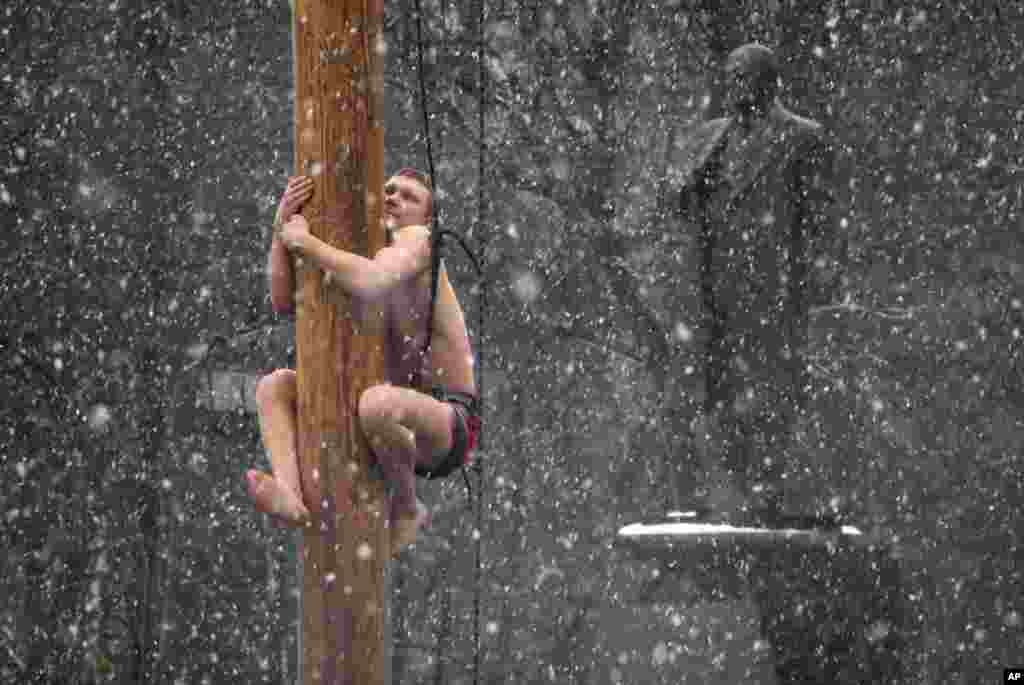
(692,149)
(710,128)
(702,136)
(805,138)
(794,125)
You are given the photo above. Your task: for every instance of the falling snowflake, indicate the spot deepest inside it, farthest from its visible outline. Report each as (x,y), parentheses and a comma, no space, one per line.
(99,417)
(526,286)
(660,654)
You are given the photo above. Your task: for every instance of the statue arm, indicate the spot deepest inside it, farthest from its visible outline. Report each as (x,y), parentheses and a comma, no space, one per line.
(827,240)
(692,160)
(690,200)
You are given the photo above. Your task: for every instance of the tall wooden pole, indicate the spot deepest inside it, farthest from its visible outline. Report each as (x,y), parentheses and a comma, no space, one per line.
(339,141)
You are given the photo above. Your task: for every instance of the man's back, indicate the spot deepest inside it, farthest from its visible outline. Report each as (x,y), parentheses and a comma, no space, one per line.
(451,362)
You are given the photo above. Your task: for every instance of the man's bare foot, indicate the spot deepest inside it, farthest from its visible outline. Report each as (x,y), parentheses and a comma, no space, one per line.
(405,530)
(275,499)
(400,437)
(423,516)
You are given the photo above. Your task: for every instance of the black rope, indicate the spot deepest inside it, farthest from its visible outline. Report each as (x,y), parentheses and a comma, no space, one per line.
(435,234)
(437,238)
(478,465)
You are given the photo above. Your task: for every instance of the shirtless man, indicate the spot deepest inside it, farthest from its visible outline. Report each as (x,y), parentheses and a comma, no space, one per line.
(423,420)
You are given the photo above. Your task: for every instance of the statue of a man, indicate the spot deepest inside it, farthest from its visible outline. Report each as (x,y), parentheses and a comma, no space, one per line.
(755,188)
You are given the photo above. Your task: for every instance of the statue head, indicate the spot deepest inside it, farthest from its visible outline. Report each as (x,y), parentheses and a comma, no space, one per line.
(752,79)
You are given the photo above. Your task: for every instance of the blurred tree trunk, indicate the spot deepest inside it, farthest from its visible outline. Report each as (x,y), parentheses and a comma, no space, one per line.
(157,362)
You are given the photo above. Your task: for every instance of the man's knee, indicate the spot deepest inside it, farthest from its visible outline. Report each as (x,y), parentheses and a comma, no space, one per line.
(379,406)
(278,386)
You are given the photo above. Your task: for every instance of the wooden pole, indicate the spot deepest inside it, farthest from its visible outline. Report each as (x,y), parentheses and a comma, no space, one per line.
(339,141)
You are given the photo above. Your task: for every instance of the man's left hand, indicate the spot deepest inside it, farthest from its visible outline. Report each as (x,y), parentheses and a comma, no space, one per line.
(295,233)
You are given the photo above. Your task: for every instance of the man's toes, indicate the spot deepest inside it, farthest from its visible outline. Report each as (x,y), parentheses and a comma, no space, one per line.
(271,497)
(403,532)
(423,515)
(257,482)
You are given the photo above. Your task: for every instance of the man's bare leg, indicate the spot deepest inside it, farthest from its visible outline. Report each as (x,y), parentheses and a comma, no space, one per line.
(403,425)
(280,494)
(395,449)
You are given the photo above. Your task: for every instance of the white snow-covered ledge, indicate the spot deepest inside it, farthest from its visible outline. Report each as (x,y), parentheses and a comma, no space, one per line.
(680,527)
(691,528)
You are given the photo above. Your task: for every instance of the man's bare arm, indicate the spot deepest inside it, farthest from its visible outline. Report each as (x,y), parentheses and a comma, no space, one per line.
(362,278)
(280,273)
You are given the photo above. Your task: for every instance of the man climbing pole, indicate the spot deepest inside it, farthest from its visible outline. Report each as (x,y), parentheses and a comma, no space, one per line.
(755,184)
(424,419)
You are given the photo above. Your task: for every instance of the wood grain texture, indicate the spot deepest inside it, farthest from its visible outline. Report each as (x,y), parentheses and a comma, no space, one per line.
(339,141)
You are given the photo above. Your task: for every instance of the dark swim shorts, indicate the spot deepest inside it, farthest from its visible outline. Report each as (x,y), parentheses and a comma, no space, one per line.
(465,433)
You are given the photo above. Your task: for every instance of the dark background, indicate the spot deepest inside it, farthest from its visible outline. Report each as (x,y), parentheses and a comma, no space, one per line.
(144,146)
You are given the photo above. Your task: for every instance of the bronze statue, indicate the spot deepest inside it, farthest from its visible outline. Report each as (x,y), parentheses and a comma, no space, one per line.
(755,187)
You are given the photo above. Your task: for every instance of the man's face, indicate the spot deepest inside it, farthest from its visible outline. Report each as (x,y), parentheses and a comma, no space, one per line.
(749,78)
(406,202)
(740,85)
